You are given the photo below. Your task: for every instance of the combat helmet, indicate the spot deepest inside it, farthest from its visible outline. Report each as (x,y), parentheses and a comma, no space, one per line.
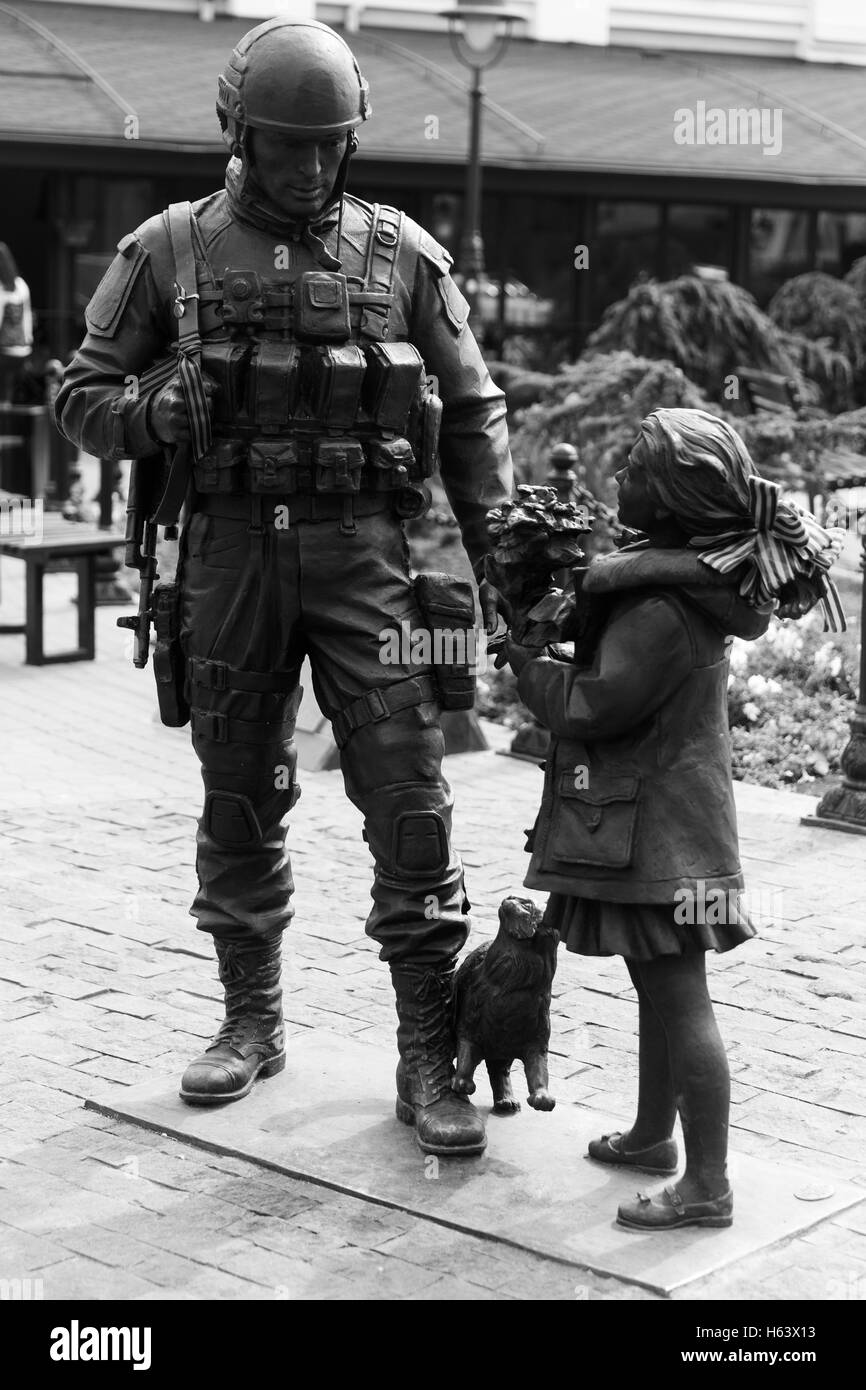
(294,76)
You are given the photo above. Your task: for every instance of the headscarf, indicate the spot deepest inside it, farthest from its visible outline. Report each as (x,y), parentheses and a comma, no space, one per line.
(698,468)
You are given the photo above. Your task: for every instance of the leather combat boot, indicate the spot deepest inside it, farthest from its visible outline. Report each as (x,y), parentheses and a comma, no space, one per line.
(445,1123)
(251,1040)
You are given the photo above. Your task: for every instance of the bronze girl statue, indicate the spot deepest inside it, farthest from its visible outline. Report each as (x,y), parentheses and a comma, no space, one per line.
(637,819)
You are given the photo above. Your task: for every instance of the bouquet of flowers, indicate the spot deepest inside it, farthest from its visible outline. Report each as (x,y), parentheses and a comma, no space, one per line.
(531,538)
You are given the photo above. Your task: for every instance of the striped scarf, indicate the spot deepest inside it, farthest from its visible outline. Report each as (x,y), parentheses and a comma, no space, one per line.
(784,543)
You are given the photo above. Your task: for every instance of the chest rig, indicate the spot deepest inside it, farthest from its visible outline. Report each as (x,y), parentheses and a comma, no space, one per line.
(313,397)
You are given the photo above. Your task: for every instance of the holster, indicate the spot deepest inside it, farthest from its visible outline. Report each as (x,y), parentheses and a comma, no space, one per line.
(425,424)
(447,604)
(168,664)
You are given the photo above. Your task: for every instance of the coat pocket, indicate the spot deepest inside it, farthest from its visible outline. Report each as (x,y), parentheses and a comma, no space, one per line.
(592,825)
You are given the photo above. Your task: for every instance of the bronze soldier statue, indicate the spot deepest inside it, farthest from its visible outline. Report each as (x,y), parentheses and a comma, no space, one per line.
(295,342)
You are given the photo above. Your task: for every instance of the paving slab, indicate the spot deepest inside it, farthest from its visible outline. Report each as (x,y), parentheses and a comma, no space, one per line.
(329,1118)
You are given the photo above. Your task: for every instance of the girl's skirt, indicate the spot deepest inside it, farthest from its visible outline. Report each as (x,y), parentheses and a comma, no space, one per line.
(642,931)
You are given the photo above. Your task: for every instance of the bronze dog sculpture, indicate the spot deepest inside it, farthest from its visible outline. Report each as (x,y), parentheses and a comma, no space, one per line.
(502,1007)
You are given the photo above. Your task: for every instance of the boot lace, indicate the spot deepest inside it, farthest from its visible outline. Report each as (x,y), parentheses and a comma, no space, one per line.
(434,1033)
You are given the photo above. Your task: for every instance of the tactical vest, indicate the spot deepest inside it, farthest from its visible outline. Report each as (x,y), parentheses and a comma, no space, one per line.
(312,398)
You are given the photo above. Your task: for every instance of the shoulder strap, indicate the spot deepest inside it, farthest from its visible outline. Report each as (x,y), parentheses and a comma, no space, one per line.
(180,228)
(383,246)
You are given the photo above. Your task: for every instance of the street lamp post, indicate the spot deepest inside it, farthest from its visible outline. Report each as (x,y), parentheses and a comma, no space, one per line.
(843,807)
(479,37)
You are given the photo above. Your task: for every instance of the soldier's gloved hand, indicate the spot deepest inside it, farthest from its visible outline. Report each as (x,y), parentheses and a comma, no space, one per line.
(492,605)
(168,420)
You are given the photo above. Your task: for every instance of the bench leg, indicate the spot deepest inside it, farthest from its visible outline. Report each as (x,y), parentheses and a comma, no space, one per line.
(86,567)
(34,639)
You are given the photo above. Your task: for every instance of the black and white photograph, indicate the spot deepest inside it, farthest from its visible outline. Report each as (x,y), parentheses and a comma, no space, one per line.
(432,678)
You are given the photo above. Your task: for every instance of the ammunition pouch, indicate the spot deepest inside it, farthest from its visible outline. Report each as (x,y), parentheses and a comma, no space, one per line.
(447,604)
(273,466)
(429,425)
(313,464)
(394,377)
(275,379)
(391,462)
(311,411)
(338,464)
(168,663)
(336,376)
(227,362)
(222,468)
(321,304)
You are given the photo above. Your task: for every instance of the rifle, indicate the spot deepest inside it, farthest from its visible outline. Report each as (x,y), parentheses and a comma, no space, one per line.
(140,553)
(155,500)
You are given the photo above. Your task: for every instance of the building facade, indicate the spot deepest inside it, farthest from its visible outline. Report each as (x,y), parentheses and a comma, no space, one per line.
(618,140)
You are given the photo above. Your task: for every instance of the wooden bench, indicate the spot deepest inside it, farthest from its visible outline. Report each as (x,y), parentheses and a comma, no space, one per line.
(78,545)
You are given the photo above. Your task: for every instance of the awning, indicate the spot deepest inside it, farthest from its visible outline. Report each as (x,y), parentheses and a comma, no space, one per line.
(147,80)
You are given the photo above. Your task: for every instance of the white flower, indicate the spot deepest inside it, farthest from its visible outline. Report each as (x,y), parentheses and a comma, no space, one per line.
(751,711)
(760,685)
(784,639)
(827,660)
(739,657)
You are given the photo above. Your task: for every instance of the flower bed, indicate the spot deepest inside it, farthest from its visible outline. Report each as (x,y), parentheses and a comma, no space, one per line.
(791,697)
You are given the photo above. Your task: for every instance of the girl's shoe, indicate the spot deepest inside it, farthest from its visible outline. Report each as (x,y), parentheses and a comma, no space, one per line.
(658,1158)
(666,1211)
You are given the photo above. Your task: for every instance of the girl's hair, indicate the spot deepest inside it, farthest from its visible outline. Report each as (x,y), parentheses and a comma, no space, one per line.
(697,468)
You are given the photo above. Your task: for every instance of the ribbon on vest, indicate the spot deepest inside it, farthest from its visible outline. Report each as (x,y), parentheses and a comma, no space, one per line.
(785,544)
(188,336)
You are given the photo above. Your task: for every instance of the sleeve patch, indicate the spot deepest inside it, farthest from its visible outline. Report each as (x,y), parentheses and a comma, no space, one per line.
(102,314)
(456,307)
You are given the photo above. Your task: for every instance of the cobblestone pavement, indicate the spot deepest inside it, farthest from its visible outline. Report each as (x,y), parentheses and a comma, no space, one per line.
(104,983)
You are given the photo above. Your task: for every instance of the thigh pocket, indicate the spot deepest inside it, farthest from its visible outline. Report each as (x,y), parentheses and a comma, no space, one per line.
(593,825)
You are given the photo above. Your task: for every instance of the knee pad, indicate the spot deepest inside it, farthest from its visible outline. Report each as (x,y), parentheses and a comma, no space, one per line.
(420,844)
(230,819)
(408,829)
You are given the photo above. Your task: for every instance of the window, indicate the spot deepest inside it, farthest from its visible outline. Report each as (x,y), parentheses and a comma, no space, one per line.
(779,247)
(841,241)
(626,245)
(696,234)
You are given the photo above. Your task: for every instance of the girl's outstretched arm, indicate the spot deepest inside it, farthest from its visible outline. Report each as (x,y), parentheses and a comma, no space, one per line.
(645,652)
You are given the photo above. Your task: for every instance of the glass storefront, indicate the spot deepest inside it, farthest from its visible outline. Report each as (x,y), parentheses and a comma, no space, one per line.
(696,234)
(780,247)
(627,243)
(841,241)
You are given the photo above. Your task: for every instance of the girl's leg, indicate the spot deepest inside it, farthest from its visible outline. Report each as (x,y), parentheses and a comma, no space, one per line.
(676,988)
(656,1101)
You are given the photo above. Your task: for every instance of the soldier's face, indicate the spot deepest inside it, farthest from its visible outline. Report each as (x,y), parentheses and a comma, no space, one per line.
(297,175)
